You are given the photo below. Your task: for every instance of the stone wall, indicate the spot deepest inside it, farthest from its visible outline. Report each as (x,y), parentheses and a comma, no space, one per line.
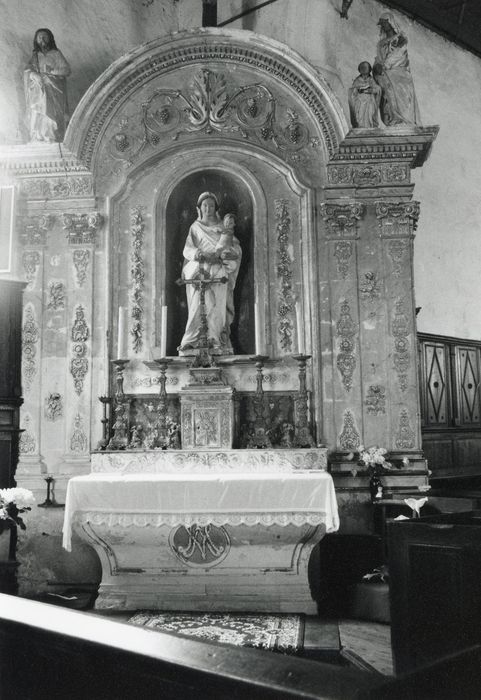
(447,245)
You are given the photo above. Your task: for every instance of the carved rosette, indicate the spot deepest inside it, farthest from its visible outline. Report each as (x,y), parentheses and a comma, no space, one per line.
(368,175)
(137,273)
(34,229)
(405,438)
(56,187)
(30,262)
(343,254)
(79,363)
(397,219)
(78,441)
(30,337)
(56,295)
(349,439)
(81,228)
(400,331)
(346,331)
(342,219)
(81,258)
(369,288)
(286,302)
(376,399)
(27,442)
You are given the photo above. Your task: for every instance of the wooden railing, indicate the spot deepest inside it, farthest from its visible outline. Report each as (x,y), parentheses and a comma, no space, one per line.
(50,652)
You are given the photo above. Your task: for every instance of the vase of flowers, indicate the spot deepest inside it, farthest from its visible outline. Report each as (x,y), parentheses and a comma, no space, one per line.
(13,502)
(374,459)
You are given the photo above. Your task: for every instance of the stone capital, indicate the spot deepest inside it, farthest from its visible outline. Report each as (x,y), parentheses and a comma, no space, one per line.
(81,228)
(397,219)
(34,229)
(341,219)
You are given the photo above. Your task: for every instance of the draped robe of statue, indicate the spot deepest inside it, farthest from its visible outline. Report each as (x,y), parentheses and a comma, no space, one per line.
(203,240)
(398,101)
(46,95)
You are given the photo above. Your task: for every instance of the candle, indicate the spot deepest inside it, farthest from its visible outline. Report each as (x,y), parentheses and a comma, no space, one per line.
(258,336)
(122,345)
(163,331)
(300,334)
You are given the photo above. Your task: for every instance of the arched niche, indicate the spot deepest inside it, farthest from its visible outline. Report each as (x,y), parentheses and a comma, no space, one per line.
(233,197)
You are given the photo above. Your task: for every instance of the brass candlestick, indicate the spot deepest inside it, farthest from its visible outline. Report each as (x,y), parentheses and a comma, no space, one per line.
(105,401)
(302,434)
(119,378)
(163,364)
(260,438)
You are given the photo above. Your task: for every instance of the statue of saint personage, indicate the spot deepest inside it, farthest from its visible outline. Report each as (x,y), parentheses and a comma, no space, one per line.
(392,73)
(46,89)
(211,253)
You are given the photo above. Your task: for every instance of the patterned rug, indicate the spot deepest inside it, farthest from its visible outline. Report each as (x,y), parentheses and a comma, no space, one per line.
(283,633)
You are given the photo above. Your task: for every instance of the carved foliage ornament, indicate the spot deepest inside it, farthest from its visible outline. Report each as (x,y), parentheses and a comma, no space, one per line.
(369,289)
(137,273)
(397,219)
(81,228)
(286,302)
(56,295)
(79,362)
(27,443)
(367,175)
(400,331)
(81,259)
(349,438)
(341,219)
(56,187)
(405,438)
(53,406)
(30,262)
(343,253)
(210,105)
(34,229)
(78,441)
(346,330)
(30,336)
(397,250)
(376,399)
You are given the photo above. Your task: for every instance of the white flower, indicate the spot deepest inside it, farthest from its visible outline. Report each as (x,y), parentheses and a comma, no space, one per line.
(22,498)
(4,514)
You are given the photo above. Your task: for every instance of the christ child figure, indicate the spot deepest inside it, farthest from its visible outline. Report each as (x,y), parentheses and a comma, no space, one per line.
(225,248)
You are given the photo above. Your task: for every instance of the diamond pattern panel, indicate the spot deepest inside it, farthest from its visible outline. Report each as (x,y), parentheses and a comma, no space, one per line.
(435,363)
(468,373)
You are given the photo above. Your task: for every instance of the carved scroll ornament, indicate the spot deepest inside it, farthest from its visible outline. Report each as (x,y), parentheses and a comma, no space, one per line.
(82,228)
(397,218)
(341,219)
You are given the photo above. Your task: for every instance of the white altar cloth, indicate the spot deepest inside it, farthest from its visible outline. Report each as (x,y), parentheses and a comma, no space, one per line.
(184,499)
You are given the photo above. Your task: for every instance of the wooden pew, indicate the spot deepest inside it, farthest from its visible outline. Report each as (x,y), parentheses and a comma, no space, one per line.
(50,652)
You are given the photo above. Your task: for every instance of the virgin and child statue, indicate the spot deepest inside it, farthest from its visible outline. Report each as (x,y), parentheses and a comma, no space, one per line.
(213,254)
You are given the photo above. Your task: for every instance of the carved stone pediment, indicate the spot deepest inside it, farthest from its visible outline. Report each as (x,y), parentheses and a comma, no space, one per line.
(207,84)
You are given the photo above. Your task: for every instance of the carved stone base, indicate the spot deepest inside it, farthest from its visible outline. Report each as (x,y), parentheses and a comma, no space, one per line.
(246,568)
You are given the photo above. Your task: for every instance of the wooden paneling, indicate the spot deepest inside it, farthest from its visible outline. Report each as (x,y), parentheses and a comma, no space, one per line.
(450,373)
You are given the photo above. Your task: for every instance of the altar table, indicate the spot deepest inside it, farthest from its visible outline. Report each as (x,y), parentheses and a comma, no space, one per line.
(193,541)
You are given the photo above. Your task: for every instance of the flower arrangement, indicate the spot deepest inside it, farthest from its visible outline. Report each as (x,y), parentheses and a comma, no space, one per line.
(12,503)
(374,459)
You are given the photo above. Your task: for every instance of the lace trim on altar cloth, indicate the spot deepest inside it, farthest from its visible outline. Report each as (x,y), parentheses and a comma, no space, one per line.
(202,519)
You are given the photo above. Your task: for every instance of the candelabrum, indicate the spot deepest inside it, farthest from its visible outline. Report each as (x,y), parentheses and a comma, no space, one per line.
(302,433)
(105,401)
(50,501)
(163,437)
(260,437)
(120,428)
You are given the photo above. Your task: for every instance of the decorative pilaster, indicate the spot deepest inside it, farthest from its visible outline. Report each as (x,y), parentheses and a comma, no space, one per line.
(81,228)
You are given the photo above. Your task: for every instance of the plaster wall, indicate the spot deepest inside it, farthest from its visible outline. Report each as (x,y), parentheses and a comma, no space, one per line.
(447,247)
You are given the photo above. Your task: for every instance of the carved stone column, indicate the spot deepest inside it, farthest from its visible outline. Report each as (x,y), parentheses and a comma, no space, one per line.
(368,228)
